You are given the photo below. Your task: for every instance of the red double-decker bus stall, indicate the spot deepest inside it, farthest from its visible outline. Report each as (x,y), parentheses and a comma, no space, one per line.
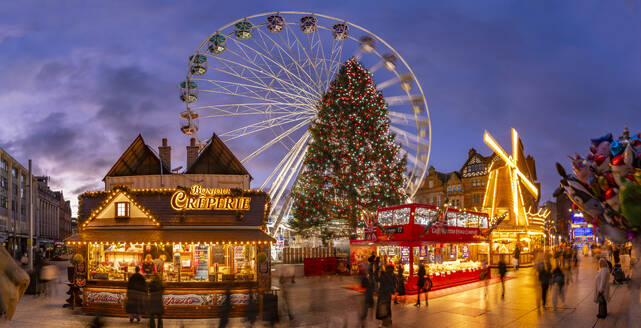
(452,251)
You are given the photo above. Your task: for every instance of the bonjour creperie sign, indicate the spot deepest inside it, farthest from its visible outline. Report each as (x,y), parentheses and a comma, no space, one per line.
(203,199)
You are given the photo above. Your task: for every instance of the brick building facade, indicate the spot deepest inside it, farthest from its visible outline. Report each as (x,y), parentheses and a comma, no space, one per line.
(464,188)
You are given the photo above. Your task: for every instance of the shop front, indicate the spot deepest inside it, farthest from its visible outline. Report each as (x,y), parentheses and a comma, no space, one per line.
(505,241)
(453,251)
(582,231)
(200,242)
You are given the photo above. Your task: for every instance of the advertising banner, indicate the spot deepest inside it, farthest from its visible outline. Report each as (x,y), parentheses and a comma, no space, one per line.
(187,299)
(105,297)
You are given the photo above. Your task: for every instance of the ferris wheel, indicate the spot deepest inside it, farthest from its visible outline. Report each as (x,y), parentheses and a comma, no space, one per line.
(258,80)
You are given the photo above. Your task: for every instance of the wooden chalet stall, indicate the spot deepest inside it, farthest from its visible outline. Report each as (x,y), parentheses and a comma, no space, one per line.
(199,240)
(201,231)
(453,251)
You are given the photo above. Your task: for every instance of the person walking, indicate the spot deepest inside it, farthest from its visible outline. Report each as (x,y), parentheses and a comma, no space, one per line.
(544,280)
(602,288)
(400,285)
(368,300)
(502,272)
(252,309)
(156,306)
(384,303)
(421,285)
(558,281)
(226,309)
(136,291)
(283,280)
(517,256)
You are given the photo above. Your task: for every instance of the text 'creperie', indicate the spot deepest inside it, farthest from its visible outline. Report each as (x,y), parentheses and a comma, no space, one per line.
(194,200)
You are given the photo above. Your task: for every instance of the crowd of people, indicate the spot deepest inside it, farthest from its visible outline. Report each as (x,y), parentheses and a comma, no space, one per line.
(555,270)
(378,277)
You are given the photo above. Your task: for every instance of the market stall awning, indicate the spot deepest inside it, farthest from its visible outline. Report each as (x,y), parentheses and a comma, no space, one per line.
(169,236)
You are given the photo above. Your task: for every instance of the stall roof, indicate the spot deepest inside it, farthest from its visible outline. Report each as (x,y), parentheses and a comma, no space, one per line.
(216,158)
(138,159)
(178,235)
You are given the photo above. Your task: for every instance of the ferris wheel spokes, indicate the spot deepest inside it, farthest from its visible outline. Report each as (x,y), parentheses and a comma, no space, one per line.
(236,69)
(228,110)
(278,138)
(266,124)
(286,159)
(268,61)
(291,62)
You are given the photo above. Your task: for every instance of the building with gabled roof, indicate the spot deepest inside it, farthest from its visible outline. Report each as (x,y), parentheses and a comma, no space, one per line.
(464,188)
(213,166)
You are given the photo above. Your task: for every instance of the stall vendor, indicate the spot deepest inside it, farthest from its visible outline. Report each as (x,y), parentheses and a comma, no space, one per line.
(148,265)
(159,264)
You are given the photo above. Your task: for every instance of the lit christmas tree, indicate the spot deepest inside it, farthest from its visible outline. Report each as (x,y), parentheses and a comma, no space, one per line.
(352,164)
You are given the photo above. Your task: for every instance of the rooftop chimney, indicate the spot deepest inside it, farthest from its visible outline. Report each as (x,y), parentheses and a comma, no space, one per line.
(165,153)
(192,152)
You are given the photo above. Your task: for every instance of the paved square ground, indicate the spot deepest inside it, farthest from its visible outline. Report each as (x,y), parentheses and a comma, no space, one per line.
(323,302)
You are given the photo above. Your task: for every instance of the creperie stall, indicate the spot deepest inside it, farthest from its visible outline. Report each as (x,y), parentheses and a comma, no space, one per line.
(452,251)
(199,240)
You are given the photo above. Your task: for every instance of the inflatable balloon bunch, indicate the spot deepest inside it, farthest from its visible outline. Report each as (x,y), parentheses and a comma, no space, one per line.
(606,185)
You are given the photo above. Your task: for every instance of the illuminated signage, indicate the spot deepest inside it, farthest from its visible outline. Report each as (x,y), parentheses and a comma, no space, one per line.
(200,198)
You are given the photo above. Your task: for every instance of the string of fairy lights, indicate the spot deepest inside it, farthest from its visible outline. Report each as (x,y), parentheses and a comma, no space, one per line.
(127,193)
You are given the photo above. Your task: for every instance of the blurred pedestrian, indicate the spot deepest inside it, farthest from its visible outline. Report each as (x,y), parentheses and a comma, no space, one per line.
(485,275)
(625,265)
(544,280)
(420,285)
(602,288)
(24,260)
(48,273)
(136,291)
(155,304)
(368,300)
(558,280)
(400,285)
(517,257)
(226,309)
(96,322)
(502,272)
(252,309)
(384,303)
(284,279)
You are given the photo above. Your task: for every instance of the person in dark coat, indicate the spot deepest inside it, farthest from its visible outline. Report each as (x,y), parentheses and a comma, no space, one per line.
(400,285)
(155,304)
(517,257)
(502,272)
(384,303)
(252,309)
(420,285)
(136,292)
(558,281)
(544,280)
(226,310)
(368,302)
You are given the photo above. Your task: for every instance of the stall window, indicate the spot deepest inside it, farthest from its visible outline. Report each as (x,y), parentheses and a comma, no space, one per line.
(174,262)
(424,215)
(386,217)
(402,216)
(122,210)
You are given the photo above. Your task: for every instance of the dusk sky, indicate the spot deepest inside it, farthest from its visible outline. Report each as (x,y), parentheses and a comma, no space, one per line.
(78,81)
